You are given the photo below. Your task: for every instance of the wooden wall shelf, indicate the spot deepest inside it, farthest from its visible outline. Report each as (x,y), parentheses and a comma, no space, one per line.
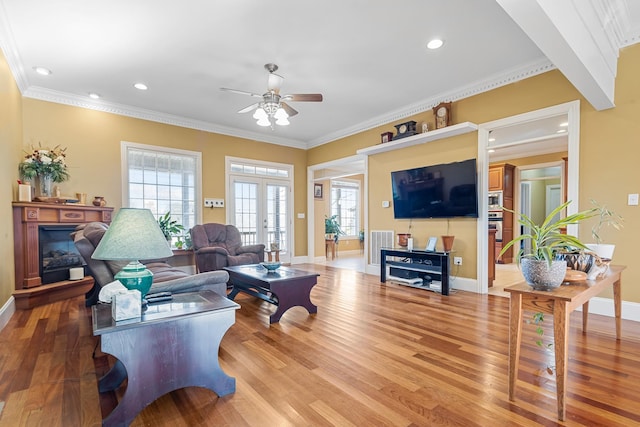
(421,138)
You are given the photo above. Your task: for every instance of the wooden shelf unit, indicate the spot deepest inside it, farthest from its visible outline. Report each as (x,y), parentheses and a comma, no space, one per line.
(421,138)
(27,217)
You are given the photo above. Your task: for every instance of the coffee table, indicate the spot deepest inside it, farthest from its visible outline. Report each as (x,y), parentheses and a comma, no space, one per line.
(174,345)
(286,287)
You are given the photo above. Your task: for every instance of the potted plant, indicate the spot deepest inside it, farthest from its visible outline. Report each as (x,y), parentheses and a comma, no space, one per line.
(332,228)
(605,217)
(169,227)
(447,240)
(540,267)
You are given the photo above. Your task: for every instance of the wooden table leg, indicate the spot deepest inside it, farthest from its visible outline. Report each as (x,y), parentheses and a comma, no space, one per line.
(561,344)
(585,316)
(617,302)
(515,336)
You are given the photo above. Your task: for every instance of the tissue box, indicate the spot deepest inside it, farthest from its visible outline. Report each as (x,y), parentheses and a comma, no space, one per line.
(126,305)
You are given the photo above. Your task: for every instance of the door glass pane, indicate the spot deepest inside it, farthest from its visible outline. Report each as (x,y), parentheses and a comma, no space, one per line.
(246,208)
(276,216)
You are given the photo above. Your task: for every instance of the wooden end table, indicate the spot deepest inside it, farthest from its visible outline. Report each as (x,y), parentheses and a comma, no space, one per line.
(559,302)
(174,345)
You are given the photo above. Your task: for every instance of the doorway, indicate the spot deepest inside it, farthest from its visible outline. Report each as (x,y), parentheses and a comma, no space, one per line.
(319,207)
(526,135)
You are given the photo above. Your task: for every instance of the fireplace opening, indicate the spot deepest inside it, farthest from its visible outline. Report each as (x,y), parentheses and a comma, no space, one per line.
(57,253)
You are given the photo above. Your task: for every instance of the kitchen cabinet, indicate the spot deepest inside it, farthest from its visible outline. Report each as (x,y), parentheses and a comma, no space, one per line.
(501,178)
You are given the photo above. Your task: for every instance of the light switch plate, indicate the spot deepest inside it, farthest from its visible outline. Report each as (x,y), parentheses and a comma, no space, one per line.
(385,203)
(632,199)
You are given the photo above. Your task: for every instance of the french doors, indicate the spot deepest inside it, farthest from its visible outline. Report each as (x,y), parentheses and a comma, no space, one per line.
(261,210)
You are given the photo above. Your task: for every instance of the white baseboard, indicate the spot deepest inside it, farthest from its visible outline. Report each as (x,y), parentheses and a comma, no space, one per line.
(7,311)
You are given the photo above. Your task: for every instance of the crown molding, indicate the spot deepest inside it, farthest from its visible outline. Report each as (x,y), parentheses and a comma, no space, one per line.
(44,94)
(498,80)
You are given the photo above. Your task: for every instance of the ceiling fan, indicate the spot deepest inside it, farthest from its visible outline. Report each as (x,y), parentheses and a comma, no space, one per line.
(272,105)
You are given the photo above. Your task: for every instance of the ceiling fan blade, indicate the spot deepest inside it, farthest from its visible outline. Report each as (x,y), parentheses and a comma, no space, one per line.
(249,108)
(303,97)
(290,111)
(275,82)
(241,92)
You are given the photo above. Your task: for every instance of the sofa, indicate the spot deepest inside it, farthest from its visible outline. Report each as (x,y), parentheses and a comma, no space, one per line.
(165,277)
(218,245)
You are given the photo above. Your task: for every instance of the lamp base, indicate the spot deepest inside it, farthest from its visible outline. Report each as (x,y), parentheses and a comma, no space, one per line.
(136,276)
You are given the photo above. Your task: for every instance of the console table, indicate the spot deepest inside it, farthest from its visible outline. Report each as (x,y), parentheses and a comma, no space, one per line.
(559,302)
(414,268)
(173,345)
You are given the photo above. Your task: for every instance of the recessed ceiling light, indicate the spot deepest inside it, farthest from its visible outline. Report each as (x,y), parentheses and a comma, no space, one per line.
(491,139)
(491,151)
(94,95)
(140,86)
(564,124)
(435,44)
(561,131)
(43,71)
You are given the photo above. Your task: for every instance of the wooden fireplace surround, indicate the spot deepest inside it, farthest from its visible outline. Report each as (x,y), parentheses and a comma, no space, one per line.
(27,217)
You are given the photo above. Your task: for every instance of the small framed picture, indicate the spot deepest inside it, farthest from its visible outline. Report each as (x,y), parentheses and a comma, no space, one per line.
(317,191)
(386,137)
(431,244)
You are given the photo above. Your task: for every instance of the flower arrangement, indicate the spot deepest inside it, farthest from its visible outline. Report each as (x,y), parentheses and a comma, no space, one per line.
(45,162)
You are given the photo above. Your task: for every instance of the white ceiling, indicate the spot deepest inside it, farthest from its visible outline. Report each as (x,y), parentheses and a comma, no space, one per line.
(368,58)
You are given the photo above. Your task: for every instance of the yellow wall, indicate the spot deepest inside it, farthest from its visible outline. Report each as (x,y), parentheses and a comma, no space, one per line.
(93,144)
(608,157)
(10,141)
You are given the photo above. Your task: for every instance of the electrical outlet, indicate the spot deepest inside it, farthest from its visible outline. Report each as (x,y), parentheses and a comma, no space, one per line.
(457,260)
(214,203)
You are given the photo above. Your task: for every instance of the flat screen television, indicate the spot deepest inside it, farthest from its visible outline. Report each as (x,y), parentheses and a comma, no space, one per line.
(439,191)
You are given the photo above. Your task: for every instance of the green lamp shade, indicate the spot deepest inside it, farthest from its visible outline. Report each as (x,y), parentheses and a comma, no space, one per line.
(133,235)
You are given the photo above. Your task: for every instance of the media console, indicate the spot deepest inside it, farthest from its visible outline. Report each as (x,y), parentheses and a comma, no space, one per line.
(418,269)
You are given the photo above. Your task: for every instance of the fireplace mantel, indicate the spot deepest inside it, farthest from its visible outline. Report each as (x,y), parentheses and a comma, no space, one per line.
(27,217)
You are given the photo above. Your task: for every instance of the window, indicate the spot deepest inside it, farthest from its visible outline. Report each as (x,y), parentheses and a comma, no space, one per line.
(345,203)
(163,180)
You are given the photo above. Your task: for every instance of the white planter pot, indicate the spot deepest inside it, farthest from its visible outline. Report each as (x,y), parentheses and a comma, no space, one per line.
(603,250)
(540,276)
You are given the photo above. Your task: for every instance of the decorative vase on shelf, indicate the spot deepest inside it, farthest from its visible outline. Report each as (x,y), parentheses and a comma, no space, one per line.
(45,186)
(99,201)
(447,243)
(403,239)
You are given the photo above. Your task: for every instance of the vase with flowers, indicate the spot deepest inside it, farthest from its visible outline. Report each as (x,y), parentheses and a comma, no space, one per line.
(46,166)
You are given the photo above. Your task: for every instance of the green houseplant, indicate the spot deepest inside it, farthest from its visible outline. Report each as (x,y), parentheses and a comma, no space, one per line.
(332,228)
(169,227)
(604,217)
(540,267)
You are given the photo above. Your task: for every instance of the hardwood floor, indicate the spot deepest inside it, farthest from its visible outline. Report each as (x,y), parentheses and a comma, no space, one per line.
(374,354)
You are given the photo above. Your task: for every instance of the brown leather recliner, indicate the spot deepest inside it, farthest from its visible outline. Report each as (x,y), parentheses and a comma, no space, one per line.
(165,277)
(218,245)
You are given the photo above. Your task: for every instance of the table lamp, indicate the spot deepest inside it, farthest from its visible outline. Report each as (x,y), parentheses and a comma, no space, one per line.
(134,234)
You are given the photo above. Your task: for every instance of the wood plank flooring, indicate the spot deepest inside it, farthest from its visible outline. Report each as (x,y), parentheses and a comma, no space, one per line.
(373,355)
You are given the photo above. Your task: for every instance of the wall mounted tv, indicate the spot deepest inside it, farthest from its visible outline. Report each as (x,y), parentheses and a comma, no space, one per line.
(439,191)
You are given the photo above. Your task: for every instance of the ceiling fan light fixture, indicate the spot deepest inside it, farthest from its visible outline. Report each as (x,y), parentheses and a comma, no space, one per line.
(264,121)
(260,114)
(281,114)
(282,121)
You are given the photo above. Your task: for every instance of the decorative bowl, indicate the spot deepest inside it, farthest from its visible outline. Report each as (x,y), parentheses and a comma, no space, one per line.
(271,266)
